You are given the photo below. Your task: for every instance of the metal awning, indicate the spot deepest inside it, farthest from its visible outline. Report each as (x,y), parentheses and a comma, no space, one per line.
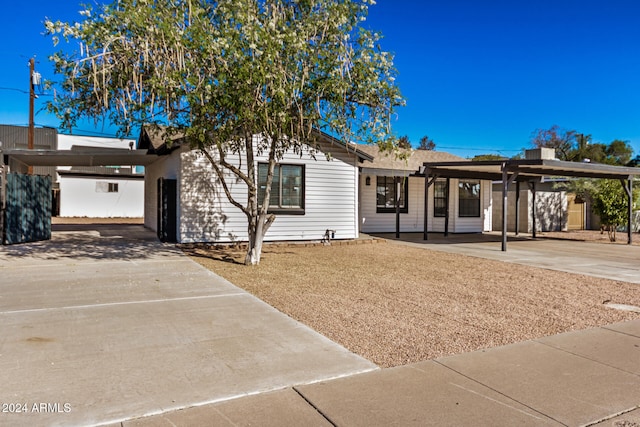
(527,170)
(89,157)
(530,171)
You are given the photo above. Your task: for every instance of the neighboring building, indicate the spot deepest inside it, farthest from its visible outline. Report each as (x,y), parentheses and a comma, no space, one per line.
(16,137)
(185,201)
(99,191)
(469,200)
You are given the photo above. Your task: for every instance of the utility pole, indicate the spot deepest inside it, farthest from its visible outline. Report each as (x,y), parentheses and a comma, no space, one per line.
(32,96)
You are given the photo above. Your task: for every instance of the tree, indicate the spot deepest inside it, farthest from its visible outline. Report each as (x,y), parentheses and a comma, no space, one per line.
(426,143)
(236,78)
(618,152)
(404,143)
(609,202)
(483,157)
(561,139)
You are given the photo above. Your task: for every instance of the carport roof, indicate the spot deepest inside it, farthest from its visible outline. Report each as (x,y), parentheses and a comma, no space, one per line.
(89,157)
(527,169)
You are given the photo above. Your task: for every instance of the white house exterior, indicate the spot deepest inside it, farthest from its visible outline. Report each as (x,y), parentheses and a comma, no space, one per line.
(99,192)
(378,212)
(325,193)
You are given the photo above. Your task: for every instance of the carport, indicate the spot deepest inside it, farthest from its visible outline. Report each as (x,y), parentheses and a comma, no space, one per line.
(30,210)
(527,171)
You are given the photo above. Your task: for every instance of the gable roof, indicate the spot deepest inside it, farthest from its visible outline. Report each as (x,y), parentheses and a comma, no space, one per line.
(385,161)
(152,139)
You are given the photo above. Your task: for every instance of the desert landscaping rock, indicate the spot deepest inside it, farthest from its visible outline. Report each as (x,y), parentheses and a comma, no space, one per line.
(395,304)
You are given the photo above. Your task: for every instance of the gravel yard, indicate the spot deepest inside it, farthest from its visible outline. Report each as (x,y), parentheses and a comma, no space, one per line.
(395,304)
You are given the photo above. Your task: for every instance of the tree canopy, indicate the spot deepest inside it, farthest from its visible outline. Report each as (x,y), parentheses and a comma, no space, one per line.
(426,143)
(235,77)
(573,146)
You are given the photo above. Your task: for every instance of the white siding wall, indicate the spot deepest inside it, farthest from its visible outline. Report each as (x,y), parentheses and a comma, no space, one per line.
(372,222)
(79,198)
(330,202)
(413,221)
(165,167)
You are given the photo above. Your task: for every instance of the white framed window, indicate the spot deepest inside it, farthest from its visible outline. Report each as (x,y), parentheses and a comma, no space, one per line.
(469,198)
(287,188)
(106,187)
(386,194)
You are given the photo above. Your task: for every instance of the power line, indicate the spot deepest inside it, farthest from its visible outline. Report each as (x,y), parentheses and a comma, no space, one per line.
(477,149)
(14,89)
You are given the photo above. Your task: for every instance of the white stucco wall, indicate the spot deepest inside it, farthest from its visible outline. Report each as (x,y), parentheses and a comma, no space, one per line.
(165,167)
(78,194)
(413,220)
(82,197)
(65,142)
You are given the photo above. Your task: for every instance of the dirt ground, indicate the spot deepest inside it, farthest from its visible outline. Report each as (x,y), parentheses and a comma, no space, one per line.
(396,305)
(87,220)
(591,236)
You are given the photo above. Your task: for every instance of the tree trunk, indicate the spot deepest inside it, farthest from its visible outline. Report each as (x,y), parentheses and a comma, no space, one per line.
(257,231)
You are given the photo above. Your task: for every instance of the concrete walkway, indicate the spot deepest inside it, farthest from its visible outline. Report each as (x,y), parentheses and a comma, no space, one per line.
(104,324)
(583,378)
(609,261)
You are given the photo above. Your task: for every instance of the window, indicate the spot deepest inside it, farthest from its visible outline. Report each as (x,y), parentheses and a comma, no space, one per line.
(287,188)
(386,194)
(106,187)
(469,198)
(440,198)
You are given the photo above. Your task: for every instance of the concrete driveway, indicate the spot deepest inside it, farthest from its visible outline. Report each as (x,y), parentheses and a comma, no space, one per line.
(609,261)
(103,324)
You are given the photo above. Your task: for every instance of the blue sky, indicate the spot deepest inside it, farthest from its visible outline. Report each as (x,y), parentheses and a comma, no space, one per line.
(478,76)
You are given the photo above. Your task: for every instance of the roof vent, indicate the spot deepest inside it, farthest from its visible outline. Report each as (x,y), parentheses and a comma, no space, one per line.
(542,153)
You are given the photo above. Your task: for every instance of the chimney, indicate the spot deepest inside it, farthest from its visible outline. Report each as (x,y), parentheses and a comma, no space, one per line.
(542,153)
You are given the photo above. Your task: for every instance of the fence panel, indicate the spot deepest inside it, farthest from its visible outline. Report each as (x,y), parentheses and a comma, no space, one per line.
(27,215)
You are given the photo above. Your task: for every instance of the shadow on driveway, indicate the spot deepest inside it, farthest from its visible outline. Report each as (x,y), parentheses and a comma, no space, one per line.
(92,241)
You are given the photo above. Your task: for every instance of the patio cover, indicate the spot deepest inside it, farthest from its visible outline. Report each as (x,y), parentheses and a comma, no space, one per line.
(529,171)
(89,157)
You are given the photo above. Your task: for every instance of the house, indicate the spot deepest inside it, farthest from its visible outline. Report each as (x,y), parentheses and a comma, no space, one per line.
(185,201)
(469,199)
(99,191)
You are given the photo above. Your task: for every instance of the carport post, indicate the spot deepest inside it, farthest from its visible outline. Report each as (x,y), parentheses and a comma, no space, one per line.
(517,214)
(397,182)
(427,183)
(446,215)
(628,188)
(533,208)
(505,186)
(426,203)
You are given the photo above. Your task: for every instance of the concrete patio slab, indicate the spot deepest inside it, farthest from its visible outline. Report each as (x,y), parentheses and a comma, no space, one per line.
(609,261)
(611,348)
(92,340)
(570,389)
(422,394)
(279,408)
